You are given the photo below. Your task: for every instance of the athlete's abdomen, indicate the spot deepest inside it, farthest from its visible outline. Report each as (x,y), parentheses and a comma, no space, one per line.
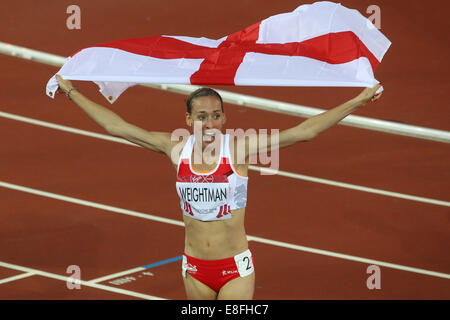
(216,239)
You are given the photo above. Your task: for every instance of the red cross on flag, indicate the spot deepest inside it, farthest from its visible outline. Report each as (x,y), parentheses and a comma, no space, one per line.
(322,44)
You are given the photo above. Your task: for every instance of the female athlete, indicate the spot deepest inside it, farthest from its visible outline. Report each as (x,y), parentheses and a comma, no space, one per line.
(212,183)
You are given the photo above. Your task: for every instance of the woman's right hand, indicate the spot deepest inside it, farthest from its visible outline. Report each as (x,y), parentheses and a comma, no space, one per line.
(64,85)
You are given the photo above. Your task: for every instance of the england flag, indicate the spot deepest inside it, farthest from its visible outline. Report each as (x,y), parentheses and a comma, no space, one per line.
(323,44)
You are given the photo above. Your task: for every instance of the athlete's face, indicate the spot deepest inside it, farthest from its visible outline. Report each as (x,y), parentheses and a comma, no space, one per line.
(207,113)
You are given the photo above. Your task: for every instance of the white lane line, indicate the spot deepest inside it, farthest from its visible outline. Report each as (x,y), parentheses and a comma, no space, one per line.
(351,258)
(83,283)
(17,277)
(64,128)
(89,203)
(251,238)
(351,186)
(251,167)
(116,275)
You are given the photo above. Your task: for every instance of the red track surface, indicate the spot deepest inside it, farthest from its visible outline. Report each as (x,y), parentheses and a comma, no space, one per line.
(49,235)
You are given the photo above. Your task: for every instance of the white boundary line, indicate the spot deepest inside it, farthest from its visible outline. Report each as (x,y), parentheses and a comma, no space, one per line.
(90,204)
(64,128)
(17,277)
(351,258)
(83,283)
(250,238)
(116,275)
(251,167)
(254,102)
(351,186)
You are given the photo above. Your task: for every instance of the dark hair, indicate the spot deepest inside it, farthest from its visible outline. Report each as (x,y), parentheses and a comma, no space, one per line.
(202,92)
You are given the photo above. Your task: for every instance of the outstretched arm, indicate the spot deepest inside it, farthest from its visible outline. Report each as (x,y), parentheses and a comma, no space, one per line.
(313,126)
(114,124)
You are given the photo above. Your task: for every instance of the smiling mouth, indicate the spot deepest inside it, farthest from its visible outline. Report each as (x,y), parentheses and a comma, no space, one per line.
(208,135)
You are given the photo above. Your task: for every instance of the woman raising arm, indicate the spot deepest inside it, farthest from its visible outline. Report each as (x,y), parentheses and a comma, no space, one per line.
(212,184)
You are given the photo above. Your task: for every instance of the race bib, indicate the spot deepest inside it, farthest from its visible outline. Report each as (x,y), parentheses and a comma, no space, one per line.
(244,263)
(204,195)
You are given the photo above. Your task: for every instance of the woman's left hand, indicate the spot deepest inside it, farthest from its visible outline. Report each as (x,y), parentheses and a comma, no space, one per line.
(369,94)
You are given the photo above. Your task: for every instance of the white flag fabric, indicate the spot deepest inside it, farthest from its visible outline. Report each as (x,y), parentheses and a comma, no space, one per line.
(321,44)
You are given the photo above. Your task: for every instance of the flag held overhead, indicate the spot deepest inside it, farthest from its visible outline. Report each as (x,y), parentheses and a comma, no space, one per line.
(321,44)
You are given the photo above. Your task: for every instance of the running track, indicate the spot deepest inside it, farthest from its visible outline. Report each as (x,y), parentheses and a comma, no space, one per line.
(288,220)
